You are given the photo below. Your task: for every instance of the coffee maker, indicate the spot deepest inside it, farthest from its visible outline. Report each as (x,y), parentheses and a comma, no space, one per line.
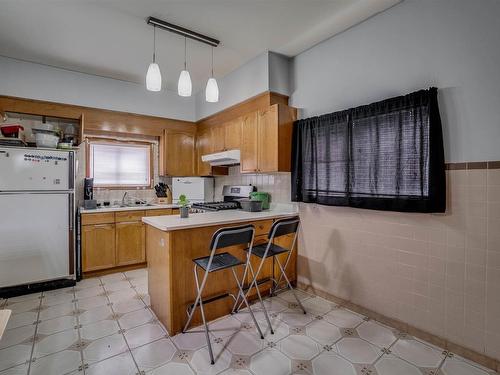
(88,194)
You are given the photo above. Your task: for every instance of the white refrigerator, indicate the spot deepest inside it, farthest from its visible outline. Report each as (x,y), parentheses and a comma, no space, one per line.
(36,216)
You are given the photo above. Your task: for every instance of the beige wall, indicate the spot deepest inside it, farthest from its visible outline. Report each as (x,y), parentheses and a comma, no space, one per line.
(438,272)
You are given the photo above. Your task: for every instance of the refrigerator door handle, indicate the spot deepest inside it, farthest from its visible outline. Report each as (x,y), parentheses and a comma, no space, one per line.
(71,211)
(71,174)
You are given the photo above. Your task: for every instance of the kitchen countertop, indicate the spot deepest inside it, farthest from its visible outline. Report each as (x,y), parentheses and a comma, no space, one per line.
(174,222)
(133,208)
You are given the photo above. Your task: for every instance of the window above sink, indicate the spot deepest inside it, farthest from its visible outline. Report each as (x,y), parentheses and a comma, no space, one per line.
(115,164)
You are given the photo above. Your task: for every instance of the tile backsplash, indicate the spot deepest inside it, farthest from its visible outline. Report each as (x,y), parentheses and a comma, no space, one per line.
(277,184)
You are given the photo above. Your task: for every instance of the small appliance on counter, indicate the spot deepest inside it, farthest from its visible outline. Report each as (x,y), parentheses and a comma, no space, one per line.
(196,189)
(88,194)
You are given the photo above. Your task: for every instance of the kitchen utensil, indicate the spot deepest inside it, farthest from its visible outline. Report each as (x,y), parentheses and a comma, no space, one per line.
(65,145)
(46,140)
(161,190)
(45,127)
(11,130)
(250,205)
(261,196)
(6,141)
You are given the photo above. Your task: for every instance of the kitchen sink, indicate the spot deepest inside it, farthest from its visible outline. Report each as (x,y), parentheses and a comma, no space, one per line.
(137,205)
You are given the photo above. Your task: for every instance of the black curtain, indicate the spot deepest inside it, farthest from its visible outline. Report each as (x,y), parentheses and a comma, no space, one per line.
(385,156)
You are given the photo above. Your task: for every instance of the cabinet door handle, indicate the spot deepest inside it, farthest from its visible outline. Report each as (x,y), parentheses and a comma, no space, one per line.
(102,226)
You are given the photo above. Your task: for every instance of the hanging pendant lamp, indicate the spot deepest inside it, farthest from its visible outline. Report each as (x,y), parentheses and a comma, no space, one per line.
(153,76)
(184,86)
(212,89)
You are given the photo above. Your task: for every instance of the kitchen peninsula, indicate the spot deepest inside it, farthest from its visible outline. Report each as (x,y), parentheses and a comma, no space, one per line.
(172,243)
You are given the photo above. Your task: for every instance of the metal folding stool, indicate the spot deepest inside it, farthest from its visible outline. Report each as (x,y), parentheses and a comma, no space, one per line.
(222,238)
(270,249)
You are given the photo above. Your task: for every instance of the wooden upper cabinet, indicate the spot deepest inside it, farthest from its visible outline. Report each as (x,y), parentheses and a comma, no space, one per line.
(130,243)
(232,134)
(204,146)
(266,140)
(218,135)
(179,157)
(249,143)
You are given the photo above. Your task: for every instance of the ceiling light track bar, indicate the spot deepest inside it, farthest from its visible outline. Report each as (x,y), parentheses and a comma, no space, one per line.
(183,31)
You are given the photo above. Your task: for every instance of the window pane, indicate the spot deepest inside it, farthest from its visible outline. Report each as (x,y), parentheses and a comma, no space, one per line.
(120,164)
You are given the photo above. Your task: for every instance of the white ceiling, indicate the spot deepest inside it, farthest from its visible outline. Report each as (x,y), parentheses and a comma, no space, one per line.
(111,38)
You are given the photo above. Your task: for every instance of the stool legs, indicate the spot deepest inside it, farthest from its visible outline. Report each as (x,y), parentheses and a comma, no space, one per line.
(200,302)
(238,304)
(282,270)
(242,293)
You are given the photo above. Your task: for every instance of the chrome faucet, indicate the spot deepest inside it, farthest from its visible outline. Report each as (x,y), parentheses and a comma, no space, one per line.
(123,198)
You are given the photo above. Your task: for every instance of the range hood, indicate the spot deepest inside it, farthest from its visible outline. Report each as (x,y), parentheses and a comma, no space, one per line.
(230,157)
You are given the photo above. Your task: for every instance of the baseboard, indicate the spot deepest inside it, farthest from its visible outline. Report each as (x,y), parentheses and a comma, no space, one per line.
(107,271)
(20,290)
(460,350)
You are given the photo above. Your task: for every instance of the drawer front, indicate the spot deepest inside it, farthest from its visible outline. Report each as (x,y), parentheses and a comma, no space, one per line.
(262,227)
(129,216)
(159,212)
(100,218)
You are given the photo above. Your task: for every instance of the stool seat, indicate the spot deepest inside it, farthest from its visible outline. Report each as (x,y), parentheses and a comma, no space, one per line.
(219,262)
(259,250)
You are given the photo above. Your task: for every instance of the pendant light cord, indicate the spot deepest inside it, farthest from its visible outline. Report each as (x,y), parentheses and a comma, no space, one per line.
(185,54)
(212,62)
(154,43)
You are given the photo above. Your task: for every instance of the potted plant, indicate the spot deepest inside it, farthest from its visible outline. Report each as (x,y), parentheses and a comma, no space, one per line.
(184,206)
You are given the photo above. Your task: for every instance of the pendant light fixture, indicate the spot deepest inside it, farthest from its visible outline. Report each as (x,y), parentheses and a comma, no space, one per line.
(153,76)
(212,89)
(184,86)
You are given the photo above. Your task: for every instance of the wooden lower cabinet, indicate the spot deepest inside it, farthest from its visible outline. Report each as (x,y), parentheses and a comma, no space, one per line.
(98,247)
(130,243)
(115,239)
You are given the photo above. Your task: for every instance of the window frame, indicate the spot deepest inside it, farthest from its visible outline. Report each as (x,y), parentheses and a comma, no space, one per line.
(118,142)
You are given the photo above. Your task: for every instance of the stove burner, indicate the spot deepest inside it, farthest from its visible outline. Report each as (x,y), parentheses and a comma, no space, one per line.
(216,206)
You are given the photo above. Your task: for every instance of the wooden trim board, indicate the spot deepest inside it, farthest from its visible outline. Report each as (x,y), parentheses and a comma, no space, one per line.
(99,121)
(260,101)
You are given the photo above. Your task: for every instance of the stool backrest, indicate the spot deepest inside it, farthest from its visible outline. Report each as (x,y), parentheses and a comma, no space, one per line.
(284,226)
(232,236)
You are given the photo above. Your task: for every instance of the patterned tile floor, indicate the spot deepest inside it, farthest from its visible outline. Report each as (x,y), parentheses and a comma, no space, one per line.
(104,326)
